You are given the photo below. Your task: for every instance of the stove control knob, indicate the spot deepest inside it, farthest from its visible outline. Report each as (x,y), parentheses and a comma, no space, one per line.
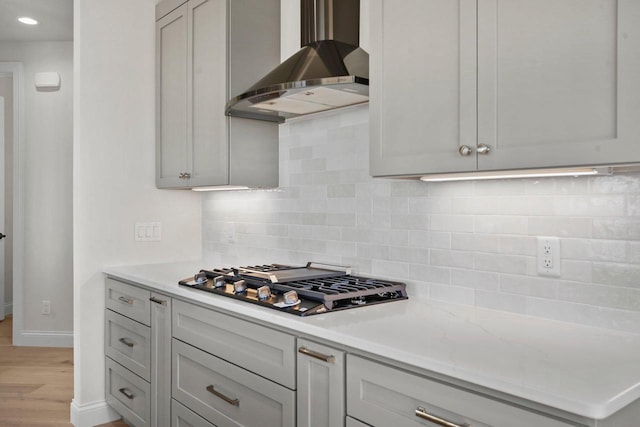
(290,297)
(219,282)
(264,292)
(200,277)
(239,287)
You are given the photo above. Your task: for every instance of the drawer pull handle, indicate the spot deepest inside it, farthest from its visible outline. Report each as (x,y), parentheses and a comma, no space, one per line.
(158,301)
(126,300)
(126,342)
(316,355)
(422,413)
(211,389)
(126,393)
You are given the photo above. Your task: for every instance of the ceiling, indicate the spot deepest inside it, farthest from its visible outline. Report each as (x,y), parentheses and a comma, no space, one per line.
(55,20)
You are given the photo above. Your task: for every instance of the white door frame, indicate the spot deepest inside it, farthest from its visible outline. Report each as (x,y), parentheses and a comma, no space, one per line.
(15,69)
(2,201)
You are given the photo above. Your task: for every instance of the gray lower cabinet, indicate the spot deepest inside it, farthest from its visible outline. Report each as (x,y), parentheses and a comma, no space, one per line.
(226,394)
(160,360)
(320,392)
(181,416)
(351,422)
(259,349)
(138,354)
(128,394)
(381,395)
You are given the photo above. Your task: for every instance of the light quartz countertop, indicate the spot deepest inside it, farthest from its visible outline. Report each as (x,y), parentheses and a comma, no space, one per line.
(583,370)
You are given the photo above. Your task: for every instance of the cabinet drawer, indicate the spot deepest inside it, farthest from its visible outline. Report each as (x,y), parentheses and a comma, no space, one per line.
(266,352)
(383,396)
(127,393)
(227,395)
(128,300)
(128,343)
(184,417)
(352,422)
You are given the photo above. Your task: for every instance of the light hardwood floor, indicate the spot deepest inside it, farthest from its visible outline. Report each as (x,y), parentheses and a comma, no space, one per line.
(36,384)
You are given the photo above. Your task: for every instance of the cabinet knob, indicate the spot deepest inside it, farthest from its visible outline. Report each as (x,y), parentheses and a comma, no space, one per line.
(483,149)
(184,175)
(464,150)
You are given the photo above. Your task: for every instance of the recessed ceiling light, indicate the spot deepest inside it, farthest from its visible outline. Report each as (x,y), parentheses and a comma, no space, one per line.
(28,21)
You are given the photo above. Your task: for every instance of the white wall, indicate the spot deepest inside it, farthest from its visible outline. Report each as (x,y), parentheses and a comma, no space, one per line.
(47,187)
(114,176)
(471,243)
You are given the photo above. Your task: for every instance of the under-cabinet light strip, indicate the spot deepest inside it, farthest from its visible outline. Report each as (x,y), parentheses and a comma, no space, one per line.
(529,173)
(221,188)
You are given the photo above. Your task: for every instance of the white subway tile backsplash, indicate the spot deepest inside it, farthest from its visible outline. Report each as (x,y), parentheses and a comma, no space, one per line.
(532,286)
(625,275)
(475,242)
(589,205)
(463,242)
(498,224)
(454,294)
(500,263)
(484,280)
(617,228)
(560,226)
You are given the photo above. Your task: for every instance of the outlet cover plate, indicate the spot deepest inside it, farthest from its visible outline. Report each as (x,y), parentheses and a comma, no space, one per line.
(548,259)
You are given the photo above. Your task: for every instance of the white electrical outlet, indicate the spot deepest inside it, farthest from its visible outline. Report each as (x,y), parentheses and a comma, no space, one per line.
(548,256)
(46,307)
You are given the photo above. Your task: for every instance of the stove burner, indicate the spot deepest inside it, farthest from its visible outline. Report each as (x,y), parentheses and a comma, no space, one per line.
(299,290)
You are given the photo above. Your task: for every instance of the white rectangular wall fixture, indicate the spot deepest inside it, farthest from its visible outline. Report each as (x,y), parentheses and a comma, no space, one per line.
(148,232)
(47,81)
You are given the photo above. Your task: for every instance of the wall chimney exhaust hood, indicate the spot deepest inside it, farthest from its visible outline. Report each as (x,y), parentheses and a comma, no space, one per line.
(329,72)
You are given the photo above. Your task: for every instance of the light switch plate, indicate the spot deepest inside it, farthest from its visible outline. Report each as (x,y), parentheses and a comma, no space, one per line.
(148,232)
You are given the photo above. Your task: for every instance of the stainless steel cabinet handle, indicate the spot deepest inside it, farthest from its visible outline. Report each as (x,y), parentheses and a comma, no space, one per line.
(211,389)
(315,354)
(126,300)
(483,149)
(184,175)
(158,301)
(127,393)
(465,150)
(126,342)
(422,413)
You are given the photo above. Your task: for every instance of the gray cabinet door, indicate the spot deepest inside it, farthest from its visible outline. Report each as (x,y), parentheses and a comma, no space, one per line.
(207,92)
(558,82)
(384,396)
(160,360)
(183,417)
(128,343)
(127,300)
(320,392)
(226,394)
(257,348)
(172,159)
(423,86)
(127,393)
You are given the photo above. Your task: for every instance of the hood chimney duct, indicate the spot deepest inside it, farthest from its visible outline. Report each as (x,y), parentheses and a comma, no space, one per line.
(329,20)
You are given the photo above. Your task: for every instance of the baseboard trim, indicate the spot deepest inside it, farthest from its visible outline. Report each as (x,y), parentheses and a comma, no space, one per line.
(44,339)
(92,414)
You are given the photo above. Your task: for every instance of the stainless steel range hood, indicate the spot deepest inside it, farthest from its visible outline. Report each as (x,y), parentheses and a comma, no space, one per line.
(329,72)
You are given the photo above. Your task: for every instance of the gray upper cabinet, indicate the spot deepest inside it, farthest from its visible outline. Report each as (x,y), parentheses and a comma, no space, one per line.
(540,84)
(205,50)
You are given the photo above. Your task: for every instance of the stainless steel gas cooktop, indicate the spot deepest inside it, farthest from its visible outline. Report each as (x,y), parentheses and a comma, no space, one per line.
(311,289)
